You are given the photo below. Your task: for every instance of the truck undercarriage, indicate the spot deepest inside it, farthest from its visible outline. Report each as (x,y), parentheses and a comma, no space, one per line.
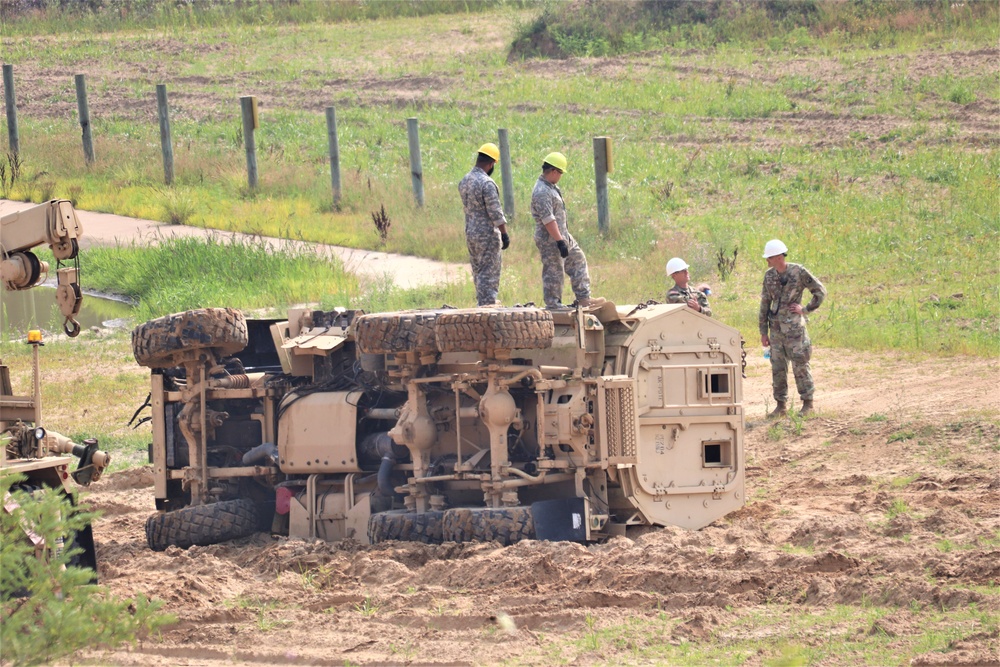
(442,425)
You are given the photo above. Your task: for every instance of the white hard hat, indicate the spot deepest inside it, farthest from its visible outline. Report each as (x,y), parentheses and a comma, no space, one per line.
(774,247)
(675,264)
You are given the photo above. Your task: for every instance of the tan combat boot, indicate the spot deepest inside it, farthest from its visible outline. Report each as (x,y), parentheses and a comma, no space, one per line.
(807,406)
(592,302)
(780,410)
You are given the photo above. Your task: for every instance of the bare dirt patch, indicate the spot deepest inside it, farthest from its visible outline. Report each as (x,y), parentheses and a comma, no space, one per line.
(887,497)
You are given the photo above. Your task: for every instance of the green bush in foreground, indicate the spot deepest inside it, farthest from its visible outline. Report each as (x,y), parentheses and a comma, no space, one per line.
(49,608)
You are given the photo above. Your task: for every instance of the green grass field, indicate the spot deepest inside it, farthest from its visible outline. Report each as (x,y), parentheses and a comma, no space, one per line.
(874,162)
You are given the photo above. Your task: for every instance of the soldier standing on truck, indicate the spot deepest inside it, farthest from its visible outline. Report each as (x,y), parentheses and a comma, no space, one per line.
(782,324)
(485,225)
(559,250)
(696,299)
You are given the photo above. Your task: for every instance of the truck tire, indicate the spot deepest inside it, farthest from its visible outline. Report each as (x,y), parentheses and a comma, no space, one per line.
(86,556)
(484,330)
(158,343)
(81,540)
(504,525)
(389,333)
(201,525)
(405,526)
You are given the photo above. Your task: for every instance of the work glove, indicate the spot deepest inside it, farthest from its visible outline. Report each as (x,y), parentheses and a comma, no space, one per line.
(504,240)
(563,248)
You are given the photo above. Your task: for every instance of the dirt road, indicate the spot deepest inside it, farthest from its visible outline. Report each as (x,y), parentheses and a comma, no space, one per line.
(402,270)
(871,536)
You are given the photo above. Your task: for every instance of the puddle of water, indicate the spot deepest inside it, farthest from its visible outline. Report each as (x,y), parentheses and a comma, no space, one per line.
(37,309)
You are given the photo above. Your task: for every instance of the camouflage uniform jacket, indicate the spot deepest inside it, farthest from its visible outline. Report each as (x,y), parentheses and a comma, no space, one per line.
(678,294)
(780,291)
(547,205)
(481,200)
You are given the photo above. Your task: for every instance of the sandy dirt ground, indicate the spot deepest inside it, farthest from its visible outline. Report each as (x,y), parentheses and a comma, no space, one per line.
(889,495)
(406,271)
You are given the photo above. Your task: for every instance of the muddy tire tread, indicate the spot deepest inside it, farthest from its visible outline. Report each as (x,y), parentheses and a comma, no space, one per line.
(201,525)
(405,527)
(478,330)
(159,343)
(504,525)
(389,333)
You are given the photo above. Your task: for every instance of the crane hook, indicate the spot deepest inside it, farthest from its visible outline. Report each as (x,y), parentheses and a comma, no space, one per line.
(71,327)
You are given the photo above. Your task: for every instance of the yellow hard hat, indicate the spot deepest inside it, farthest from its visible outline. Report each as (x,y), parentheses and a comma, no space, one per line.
(491,150)
(557,160)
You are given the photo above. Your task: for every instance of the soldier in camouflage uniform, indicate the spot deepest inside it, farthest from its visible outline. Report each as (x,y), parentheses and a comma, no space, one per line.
(681,292)
(485,225)
(782,324)
(559,250)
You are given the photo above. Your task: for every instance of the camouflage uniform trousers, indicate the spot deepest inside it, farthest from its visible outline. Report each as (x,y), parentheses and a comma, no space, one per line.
(798,350)
(553,266)
(484,255)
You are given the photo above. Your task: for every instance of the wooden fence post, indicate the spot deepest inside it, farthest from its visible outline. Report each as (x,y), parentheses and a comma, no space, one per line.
(166,145)
(331,136)
(84,111)
(416,170)
(506,175)
(248,109)
(602,165)
(11,105)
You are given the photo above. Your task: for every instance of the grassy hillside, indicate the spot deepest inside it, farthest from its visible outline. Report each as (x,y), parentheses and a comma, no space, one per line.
(874,159)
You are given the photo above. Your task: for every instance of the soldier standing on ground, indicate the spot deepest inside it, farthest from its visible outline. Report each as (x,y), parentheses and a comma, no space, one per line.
(559,250)
(485,225)
(782,324)
(696,299)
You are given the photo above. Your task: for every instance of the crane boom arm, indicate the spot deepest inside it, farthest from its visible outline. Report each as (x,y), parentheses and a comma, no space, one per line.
(54,223)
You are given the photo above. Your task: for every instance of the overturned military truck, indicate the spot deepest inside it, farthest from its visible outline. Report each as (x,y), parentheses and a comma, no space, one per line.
(441,425)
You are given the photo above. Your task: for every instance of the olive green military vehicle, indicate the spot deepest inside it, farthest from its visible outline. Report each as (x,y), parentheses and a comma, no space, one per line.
(442,425)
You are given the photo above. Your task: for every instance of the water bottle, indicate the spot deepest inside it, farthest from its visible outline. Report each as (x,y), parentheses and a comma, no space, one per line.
(767,353)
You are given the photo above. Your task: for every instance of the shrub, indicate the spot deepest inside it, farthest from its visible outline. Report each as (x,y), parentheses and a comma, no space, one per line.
(603,27)
(48,606)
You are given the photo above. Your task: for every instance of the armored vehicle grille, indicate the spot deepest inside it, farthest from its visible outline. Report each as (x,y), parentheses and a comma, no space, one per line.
(620,402)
